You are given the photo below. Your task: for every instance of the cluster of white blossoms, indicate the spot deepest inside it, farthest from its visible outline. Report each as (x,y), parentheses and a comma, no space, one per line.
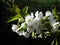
(33,23)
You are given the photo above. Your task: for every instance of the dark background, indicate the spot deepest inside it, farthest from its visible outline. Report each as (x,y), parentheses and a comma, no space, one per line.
(8,37)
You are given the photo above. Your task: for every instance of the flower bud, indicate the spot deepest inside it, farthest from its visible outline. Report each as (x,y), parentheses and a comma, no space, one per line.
(14,27)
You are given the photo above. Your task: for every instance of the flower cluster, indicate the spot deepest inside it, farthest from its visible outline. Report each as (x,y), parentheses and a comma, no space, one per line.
(35,25)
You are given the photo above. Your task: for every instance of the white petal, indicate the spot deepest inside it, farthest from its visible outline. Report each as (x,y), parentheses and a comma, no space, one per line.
(14,27)
(25,34)
(37,20)
(29,20)
(55,23)
(32,15)
(55,27)
(48,13)
(40,15)
(36,14)
(30,29)
(23,24)
(20,33)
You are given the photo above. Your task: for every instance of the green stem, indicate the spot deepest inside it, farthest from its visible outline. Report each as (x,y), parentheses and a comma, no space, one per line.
(57,42)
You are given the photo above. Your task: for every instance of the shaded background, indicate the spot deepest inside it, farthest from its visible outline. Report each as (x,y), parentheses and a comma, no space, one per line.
(8,37)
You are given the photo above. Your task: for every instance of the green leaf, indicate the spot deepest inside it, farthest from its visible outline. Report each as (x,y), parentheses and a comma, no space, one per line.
(54,11)
(56,16)
(25,10)
(13,18)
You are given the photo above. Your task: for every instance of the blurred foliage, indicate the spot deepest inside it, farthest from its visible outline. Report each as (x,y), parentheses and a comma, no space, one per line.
(34,5)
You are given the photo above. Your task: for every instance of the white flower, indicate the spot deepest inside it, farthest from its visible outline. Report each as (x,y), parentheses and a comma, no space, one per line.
(36,23)
(55,27)
(14,27)
(25,34)
(52,21)
(32,15)
(30,29)
(55,23)
(29,20)
(40,15)
(36,19)
(48,13)
(23,25)
(37,13)
(20,33)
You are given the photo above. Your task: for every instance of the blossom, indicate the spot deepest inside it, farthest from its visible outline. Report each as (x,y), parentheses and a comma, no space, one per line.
(14,27)
(20,32)
(33,23)
(55,27)
(36,13)
(23,25)
(32,15)
(30,29)
(25,34)
(55,24)
(52,21)
(29,20)
(39,14)
(48,13)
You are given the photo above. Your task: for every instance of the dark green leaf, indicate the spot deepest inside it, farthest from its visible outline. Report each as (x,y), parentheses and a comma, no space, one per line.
(25,10)
(54,11)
